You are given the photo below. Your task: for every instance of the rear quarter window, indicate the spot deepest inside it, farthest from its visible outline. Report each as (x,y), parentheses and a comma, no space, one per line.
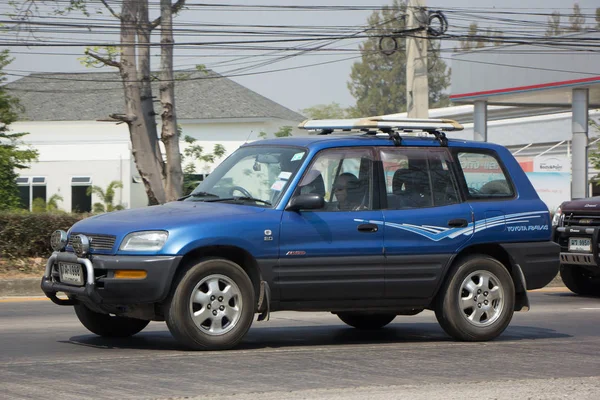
(484,176)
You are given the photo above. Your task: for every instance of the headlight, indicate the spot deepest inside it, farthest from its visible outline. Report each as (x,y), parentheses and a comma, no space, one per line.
(556,220)
(58,240)
(144,241)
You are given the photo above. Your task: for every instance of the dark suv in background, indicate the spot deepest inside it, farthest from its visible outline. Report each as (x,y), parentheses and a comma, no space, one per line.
(577,231)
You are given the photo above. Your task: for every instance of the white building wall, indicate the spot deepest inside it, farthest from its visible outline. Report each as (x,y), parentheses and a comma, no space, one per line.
(102,150)
(66,149)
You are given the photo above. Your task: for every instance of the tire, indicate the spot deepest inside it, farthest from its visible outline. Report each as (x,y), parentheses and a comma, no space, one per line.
(107,325)
(366,321)
(480,321)
(221,296)
(578,281)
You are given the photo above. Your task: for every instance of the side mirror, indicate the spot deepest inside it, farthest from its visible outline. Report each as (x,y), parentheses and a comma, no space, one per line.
(306,202)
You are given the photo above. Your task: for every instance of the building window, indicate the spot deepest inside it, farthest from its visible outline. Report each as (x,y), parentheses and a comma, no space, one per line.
(81,201)
(31,188)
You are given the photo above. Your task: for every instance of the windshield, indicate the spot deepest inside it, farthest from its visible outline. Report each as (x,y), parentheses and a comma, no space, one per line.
(254,175)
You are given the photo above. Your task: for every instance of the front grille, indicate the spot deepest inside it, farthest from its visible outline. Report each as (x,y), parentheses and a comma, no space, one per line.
(97,242)
(581,219)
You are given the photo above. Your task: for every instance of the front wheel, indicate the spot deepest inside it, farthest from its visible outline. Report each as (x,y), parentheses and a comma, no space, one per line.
(578,281)
(212,307)
(108,325)
(477,301)
(366,321)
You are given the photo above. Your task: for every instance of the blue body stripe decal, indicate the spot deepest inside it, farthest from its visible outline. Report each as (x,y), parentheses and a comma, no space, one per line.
(437,233)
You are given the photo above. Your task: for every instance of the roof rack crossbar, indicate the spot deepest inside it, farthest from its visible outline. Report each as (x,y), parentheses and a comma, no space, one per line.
(391,121)
(390,124)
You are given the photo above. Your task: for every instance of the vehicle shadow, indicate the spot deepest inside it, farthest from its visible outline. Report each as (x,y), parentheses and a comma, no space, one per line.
(311,336)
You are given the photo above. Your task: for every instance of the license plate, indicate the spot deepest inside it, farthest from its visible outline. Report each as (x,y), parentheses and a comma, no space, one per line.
(580,244)
(70,273)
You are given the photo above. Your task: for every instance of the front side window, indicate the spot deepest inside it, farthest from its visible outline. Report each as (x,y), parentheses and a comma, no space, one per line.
(484,176)
(254,175)
(343,177)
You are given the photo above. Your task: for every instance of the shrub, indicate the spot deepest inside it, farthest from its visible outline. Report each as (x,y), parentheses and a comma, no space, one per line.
(24,234)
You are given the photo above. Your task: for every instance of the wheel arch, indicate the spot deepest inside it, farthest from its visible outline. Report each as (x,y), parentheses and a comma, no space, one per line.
(499,253)
(236,254)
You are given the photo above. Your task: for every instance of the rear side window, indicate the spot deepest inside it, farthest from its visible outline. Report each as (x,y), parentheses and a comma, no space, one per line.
(484,176)
(417,178)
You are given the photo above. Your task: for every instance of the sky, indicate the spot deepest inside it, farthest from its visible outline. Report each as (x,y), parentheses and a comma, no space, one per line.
(295,82)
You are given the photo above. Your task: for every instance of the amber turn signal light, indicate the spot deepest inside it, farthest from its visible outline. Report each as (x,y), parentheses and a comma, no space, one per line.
(130,274)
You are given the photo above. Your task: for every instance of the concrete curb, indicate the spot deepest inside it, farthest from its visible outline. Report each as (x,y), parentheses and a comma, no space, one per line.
(21,287)
(31,286)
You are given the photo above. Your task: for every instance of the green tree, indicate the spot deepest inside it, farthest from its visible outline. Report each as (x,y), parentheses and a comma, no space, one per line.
(378,81)
(576,19)
(284,131)
(39,205)
(52,204)
(132,58)
(193,153)
(106,196)
(598,18)
(476,39)
(576,22)
(14,155)
(554,26)
(327,111)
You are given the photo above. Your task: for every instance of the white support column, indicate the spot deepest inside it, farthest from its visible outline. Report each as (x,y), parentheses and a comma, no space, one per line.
(579,161)
(480,121)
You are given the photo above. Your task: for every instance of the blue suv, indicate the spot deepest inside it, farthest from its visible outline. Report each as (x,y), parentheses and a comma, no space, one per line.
(367,225)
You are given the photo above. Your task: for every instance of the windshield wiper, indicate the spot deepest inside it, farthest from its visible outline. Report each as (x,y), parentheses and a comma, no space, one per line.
(198,194)
(242,198)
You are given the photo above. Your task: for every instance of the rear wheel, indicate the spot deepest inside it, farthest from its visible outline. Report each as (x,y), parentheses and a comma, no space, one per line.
(579,281)
(366,321)
(107,325)
(213,306)
(477,301)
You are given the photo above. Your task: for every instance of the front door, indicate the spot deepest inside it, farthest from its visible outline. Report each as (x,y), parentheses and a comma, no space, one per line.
(425,220)
(334,253)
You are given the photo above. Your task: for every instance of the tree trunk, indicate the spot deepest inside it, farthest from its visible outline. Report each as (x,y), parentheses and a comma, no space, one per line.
(169,134)
(144,30)
(141,142)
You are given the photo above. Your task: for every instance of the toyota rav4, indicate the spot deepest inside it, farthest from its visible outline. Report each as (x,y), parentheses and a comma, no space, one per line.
(366,225)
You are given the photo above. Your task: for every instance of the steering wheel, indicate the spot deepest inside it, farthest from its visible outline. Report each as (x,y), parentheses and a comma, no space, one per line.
(241,190)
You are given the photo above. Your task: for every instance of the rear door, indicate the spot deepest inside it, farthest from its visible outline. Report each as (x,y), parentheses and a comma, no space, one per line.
(499,215)
(425,220)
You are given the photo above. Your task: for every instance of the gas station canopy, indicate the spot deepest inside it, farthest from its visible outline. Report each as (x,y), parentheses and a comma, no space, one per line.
(557,72)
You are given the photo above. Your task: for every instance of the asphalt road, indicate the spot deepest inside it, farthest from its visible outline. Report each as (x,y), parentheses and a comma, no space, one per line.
(551,352)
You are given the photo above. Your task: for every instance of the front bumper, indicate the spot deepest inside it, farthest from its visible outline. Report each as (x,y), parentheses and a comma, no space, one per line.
(101,287)
(590,260)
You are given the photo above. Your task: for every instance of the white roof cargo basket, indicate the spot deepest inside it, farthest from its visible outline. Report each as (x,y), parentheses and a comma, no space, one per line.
(390,124)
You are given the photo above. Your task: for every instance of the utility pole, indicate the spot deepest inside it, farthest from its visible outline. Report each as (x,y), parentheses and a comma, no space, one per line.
(417,89)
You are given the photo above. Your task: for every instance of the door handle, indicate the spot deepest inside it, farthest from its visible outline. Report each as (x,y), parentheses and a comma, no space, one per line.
(368,228)
(458,223)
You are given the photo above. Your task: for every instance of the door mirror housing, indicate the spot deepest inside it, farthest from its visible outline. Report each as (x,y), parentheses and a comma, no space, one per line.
(306,202)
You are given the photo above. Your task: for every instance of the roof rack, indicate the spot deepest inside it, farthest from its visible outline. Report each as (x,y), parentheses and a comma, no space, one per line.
(391,124)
